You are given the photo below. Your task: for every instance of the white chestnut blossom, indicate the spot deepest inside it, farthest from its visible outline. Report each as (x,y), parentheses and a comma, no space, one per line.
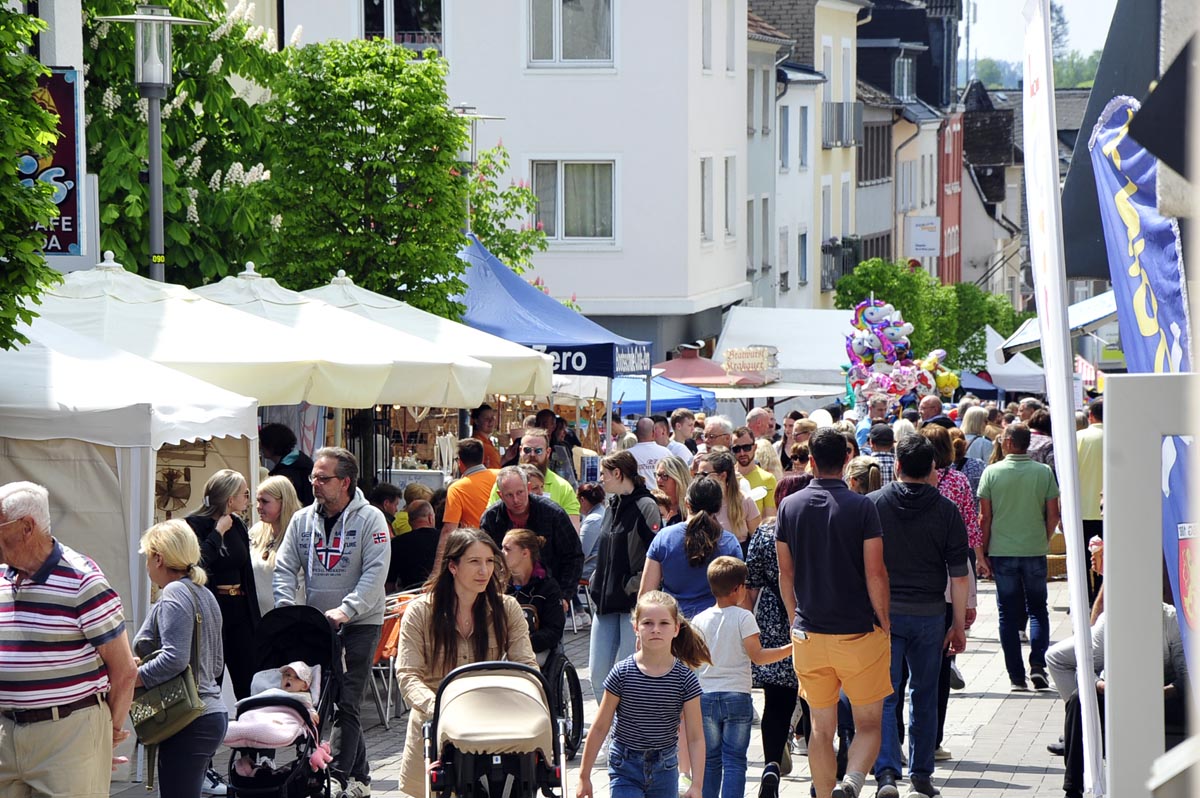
(214,183)
(297,34)
(193,170)
(215,67)
(198,145)
(276,222)
(236,175)
(180,161)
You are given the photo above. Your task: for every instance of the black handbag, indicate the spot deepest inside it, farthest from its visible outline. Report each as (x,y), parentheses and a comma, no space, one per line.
(158,713)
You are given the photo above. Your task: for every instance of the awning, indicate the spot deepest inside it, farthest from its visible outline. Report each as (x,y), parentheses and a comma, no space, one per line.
(811,343)
(1018,374)
(973,383)
(1083,317)
(780,390)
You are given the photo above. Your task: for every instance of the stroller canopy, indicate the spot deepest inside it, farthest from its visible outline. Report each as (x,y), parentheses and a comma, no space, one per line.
(496,712)
(287,634)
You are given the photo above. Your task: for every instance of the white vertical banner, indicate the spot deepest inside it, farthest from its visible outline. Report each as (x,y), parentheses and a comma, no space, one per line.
(1050,282)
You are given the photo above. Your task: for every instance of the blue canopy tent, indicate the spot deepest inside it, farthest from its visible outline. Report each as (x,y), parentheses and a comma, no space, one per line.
(665,395)
(977,385)
(501,302)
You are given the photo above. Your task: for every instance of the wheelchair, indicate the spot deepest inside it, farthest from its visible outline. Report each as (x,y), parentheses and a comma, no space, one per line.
(566,695)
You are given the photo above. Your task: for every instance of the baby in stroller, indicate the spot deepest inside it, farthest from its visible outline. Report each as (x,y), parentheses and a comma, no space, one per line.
(281,710)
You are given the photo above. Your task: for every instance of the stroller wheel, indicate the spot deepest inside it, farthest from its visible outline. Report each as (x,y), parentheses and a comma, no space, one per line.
(568,703)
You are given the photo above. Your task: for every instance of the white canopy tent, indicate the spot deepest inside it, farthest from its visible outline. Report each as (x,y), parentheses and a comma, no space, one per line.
(516,369)
(88,422)
(421,373)
(180,329)
(1019,374)
(811,345)
(1083,318)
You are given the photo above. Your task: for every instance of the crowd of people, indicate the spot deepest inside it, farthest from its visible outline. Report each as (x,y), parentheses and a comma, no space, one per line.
(830,560)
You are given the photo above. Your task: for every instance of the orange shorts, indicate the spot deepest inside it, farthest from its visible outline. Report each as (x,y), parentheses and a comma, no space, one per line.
(827,664)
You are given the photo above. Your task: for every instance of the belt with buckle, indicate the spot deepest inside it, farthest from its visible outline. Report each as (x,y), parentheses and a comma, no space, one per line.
(228,590)
(24,716)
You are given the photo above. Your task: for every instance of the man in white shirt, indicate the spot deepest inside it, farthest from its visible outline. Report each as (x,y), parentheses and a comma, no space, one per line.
(646,451)
(662,436)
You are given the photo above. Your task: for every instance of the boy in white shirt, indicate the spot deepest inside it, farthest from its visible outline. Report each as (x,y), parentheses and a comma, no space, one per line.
(731,633)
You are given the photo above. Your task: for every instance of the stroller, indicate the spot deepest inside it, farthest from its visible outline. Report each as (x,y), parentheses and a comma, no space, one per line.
(492,735)
(285,635)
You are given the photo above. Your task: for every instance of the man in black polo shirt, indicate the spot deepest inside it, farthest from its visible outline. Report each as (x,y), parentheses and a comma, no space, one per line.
(835,586)
(562,553)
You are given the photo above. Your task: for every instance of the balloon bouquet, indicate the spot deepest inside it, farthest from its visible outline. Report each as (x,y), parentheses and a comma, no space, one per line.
(881,359)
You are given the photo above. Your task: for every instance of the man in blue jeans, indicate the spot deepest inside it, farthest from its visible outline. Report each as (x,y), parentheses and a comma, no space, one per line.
(924,542)
(1018,506)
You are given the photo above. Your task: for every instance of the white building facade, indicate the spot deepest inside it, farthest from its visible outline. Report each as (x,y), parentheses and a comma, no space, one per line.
(799,283)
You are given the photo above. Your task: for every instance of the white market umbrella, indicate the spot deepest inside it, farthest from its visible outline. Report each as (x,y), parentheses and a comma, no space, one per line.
(516,369)
(180,329)
(422,373)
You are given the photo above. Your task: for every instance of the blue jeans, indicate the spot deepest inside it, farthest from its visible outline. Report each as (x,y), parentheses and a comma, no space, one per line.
(633,773)
(916,640)
(183,758)
(612,641)
(728,718)
(1021,588)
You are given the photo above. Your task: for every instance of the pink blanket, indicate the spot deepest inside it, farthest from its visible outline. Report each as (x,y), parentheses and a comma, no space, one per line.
(267,727)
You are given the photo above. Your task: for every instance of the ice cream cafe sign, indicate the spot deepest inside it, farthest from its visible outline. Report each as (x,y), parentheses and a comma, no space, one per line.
(61,167)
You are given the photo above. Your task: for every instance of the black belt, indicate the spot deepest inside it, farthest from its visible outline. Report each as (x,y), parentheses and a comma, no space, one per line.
(24,716)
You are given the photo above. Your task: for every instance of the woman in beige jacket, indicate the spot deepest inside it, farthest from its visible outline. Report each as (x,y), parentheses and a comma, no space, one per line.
(463,618)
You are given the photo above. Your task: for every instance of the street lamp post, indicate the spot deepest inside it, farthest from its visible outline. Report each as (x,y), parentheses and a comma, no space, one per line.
(152,74)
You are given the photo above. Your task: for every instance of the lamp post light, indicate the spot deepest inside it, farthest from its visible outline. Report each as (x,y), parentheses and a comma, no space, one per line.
(152,74)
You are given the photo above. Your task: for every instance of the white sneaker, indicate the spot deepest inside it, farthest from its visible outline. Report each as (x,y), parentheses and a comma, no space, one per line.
(212,784)
(355,789)
(582,620)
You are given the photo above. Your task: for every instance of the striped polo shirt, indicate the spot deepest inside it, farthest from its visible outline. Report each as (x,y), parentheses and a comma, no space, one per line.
(50,627)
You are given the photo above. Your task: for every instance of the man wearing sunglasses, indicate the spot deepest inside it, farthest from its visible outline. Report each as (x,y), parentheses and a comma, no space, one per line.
(743,452)
(535,449)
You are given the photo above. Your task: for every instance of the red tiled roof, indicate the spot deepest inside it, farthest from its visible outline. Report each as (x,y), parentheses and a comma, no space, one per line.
(759,28)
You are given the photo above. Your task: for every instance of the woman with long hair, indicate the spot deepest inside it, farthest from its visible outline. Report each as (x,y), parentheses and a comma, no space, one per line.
(863,475)
(777,680)
(739,513)
(225,556)
(672,475)
(277,502)
(767,458)
(464,616)
(539,596)
(164,648)
(974,424)
(678,558)
(632,520)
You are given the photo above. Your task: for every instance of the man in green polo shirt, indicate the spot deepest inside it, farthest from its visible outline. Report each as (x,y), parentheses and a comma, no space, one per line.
(535,449)
(1018,505)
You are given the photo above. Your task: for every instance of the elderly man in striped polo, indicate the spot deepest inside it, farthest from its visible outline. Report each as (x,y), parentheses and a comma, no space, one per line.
(66,669)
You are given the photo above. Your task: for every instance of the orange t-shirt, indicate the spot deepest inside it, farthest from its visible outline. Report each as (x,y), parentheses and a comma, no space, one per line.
(467,497)
(491,455)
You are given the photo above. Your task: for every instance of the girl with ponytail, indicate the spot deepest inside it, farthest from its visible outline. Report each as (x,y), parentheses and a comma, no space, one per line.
(678,558)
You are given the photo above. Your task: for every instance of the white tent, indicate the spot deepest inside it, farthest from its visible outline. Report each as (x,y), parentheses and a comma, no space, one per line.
(811,344)
(87,421)
(422,373)
(1019,374)
(180,329)
(516,369)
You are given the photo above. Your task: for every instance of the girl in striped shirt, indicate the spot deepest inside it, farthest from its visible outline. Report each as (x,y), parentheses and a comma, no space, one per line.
(646,694)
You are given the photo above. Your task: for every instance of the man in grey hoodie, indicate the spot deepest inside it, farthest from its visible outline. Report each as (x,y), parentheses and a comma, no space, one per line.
(339,549)
(924,541)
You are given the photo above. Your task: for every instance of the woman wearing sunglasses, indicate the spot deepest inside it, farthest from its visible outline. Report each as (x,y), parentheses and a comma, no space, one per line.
(672,476)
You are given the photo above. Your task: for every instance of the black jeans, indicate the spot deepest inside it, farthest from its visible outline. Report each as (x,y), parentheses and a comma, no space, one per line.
(237,639)
(778,705)
(349,750)
(183,759)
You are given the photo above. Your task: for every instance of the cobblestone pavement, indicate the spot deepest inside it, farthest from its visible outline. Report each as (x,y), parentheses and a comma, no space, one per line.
(998,739)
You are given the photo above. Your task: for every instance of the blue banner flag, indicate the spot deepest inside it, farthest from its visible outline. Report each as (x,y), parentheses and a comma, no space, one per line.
(1146,264)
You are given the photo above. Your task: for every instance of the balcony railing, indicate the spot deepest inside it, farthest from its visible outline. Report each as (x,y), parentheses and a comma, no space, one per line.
(841,124)
(420,40)
(838,258)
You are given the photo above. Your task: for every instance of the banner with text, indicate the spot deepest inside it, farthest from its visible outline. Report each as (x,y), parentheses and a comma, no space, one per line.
(60,93)
(1146,265)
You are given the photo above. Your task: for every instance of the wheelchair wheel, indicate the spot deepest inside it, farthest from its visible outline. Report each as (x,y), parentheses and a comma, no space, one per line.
(568,703)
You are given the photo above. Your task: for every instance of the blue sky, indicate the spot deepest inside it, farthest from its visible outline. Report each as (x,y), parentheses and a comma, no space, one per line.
(1000,27)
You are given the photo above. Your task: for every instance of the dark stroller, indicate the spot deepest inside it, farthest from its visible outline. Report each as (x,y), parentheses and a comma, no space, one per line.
(493,735)
(285,635)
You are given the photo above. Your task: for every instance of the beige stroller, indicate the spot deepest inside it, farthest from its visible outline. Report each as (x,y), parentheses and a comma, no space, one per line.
(492,735)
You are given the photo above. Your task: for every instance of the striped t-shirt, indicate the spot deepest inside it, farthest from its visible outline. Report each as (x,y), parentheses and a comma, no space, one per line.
(50,626)
(647,717)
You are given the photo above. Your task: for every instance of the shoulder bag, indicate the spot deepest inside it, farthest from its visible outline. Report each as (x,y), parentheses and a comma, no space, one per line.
(160,712)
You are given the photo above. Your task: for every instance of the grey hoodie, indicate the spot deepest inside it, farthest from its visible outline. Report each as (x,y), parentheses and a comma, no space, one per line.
(345,570)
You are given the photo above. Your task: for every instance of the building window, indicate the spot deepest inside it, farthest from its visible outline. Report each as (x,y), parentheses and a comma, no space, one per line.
(875,153)
(784,259)
(768,99)
(570,31)
(802,126)
(730,197)
(730,35)
(847,72)
(766,234)
(826,213)
(706,199)
(751,128)
(877,246)
(924,201)
(575,199)
(785,140)
(415,24)
(706,35)
(847,228)
(827,68)
(904,79)
(802,260)
(749,235)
